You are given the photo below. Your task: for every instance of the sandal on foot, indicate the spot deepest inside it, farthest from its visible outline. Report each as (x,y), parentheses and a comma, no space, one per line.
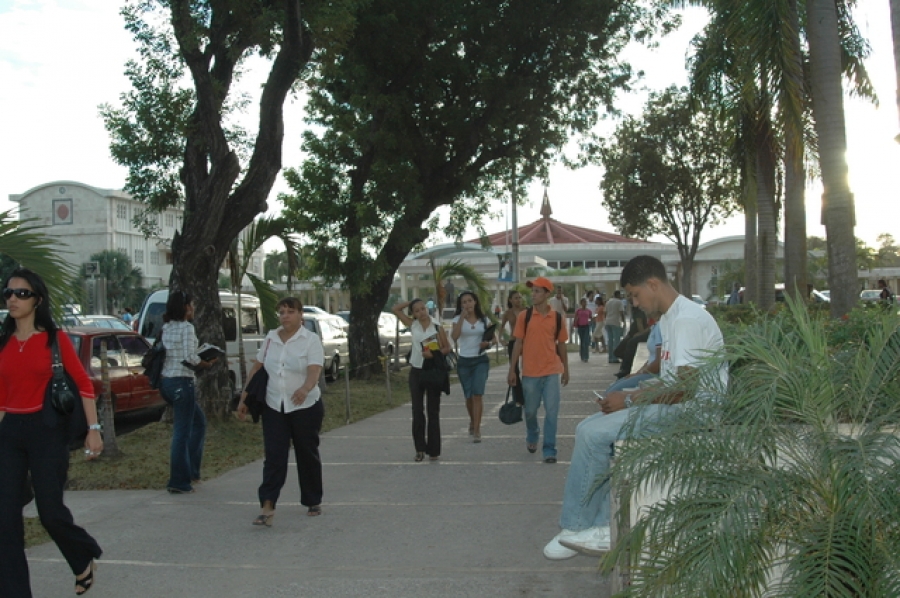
(420,457)
(264,519)
(84,583)
(433,458)
(314,511)
(532,447)
(471,429)
(477,437)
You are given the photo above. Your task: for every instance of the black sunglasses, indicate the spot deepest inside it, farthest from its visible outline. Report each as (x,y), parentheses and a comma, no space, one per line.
(20,293)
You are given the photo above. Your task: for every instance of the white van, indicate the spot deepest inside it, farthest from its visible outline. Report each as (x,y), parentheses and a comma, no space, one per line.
(150,323)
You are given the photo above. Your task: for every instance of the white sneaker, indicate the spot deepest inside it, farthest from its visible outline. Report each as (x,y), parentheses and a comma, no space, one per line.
(594,541)
(556,551)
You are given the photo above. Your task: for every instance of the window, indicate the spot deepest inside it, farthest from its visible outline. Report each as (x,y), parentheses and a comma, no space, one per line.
(154,258)
(114,356)
(134,349)
(122,211)
(169,260)
(249,320)
(170,219)
(138,256)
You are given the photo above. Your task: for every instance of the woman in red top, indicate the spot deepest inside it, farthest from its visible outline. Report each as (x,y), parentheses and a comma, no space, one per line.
(582,323)
(28,443)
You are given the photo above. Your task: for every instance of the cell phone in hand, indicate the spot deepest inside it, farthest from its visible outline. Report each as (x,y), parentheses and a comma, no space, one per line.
(600,396)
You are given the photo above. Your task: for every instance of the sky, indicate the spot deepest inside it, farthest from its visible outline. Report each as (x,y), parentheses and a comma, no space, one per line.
(61,59)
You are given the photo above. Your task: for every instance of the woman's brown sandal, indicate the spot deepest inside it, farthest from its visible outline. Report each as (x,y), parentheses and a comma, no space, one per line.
(264,519)
(314,511)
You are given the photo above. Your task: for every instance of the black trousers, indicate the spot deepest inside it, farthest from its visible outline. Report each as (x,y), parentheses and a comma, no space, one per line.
(300,427)
(426,404)
(27,444)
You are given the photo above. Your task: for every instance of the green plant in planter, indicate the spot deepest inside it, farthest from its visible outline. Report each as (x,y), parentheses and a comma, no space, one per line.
(788,486)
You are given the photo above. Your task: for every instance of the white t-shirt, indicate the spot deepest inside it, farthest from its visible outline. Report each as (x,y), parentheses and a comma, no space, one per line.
(287,365)
(615,312)
(469,341)
(689,335)
(419,337)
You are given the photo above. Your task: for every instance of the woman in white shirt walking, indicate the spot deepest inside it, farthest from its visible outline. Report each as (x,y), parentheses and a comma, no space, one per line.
(473,366)
(293,357)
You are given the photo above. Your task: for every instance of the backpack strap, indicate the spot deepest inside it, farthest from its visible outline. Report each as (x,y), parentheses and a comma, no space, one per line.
(528,319)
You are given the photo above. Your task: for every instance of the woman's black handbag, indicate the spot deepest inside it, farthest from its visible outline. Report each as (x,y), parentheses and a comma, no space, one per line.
(510,411)
(256,393)
(62,402)
(153,362)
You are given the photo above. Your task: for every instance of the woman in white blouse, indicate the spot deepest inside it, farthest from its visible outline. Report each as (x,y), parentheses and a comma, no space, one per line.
(428,338)
(293,357)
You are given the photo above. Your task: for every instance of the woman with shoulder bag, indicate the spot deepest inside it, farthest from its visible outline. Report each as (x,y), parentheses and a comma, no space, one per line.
(473,367)
(177,388)
(29,443)
(429,345)
(293,412)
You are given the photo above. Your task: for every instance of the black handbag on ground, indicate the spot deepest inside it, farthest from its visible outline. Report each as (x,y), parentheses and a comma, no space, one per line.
(510,411)
(256,390)
(62,402)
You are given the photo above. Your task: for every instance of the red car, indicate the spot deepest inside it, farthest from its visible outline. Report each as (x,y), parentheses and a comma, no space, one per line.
(124,349)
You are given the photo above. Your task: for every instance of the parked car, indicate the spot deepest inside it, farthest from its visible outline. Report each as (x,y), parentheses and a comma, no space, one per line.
(870,295)
(698,300)
(96,320)
(390,331)
(124,349)
(334,340)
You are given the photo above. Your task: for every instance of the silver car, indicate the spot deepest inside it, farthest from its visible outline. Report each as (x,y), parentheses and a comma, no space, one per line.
(334,340)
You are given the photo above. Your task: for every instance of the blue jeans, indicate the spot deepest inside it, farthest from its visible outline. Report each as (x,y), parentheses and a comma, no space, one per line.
(544,388)
(584,339)
(631,382)
(188,432)
(582,507)
(613,338)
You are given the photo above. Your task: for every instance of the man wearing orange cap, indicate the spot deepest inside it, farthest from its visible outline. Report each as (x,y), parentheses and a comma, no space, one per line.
(541,342)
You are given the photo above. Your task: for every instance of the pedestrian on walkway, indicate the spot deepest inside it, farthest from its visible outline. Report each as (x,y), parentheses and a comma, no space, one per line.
(614,324)
(541,342)
(689,334)
(177,388)
(473,366)
(293,357)
(582,325)
(28,441)
(514,308)
(598,324)
(428,339)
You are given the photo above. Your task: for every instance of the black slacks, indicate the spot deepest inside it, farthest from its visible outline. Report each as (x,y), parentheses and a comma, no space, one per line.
(426,406)
(27,444)
(280,430)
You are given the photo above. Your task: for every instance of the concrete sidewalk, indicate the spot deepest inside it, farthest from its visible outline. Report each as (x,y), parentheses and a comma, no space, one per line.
(472,524)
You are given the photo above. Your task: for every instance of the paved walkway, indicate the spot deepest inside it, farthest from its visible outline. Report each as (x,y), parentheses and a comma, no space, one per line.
(472,524)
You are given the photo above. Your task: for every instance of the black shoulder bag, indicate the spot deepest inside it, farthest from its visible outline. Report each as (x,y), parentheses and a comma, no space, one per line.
(256,389)
(62,402)
(153,362)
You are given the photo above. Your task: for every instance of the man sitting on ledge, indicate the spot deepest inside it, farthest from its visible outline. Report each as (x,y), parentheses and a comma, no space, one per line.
(689,334)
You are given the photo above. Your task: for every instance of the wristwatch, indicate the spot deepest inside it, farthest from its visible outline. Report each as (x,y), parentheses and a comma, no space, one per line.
(95,427)
(628,402)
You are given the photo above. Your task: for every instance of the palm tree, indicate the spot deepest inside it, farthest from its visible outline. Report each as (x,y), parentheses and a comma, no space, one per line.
(790,489)
(895,33)
(123,281)
(838,212)
(23,242)
(239,255)
(476,283)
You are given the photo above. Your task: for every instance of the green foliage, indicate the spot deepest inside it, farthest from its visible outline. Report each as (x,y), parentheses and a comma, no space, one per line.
(123,281)
(23,244)
(787,485)
(475,282)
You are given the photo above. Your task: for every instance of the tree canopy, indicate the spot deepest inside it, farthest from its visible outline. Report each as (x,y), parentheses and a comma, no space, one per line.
(430,104)
(669,173)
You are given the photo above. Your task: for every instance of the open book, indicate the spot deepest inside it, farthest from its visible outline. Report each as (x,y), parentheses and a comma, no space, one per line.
(207,352)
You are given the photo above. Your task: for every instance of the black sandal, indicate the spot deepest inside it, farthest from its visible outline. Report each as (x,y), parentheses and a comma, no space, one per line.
(314,511)
(420,457)
(84,584)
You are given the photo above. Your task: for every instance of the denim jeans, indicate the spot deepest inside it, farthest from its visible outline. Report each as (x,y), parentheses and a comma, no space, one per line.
(546,388)
(595,437)
(188,432)
(613,338)
(632,382)
(584,336)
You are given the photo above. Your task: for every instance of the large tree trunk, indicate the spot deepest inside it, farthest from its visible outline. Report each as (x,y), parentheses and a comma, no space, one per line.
(767,213)
(365,344)
(795,254)
(838,212)
(751,261)
(895,31)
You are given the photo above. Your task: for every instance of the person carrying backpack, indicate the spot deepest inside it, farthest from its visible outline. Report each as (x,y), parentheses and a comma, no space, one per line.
(541,343)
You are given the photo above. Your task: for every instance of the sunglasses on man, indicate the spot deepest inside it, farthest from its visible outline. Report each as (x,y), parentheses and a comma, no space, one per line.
(19,293)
